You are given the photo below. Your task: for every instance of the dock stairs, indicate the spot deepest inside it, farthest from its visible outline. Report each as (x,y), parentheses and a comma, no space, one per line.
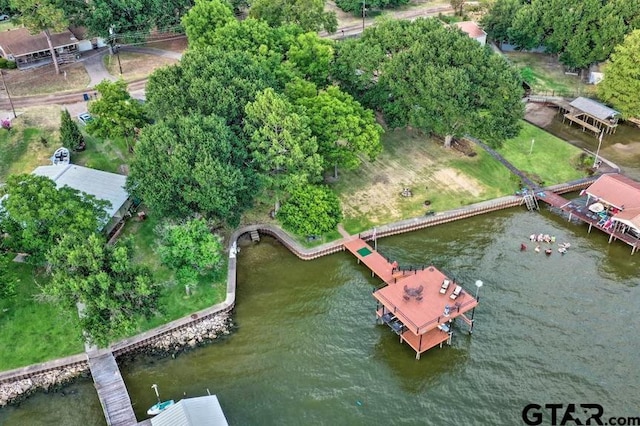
(530,200)
(255,236)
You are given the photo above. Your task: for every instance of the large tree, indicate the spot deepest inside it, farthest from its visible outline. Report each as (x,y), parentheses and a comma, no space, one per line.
(190,249)
(190,165)
(310,56)
(112,290)
(435,78)
(308,14)
(131,20)
(621,84)
(210,81)
(311,210)
(280,143)
(35,214)
(42,16)
(203,19)
(581,32)
(116,114)
(346,132)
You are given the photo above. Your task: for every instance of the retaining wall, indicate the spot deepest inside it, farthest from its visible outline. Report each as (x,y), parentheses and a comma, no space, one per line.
(150,337)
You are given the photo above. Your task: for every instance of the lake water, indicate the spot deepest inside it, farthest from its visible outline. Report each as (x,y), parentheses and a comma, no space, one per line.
(307,350)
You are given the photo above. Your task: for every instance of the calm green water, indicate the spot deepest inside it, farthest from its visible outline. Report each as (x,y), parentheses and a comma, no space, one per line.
(306,350)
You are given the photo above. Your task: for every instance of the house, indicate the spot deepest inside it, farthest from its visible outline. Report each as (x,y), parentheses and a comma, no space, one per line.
(29,50)
(199,411)
(616,197)
(103,185)
(473,30)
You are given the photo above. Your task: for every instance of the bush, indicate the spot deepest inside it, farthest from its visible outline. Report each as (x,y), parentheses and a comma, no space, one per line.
(7,64)
(311,210)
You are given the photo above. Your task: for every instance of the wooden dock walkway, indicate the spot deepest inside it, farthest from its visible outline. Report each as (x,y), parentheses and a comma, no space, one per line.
(111,389)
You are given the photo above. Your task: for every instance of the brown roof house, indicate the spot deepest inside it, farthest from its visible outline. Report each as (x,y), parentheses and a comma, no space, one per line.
(473,30)
(29,50)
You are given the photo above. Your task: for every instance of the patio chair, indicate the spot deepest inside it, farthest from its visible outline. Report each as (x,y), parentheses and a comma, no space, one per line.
(445,286)
(456,292)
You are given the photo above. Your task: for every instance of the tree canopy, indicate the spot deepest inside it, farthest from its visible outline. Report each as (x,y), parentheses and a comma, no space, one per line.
(435,78)
(308,14)
(280,143)
(311,210)
(116,114)
(581,32)
(344,129)
(70,135)
(203,19)
(35,214)
(190,249)
(355,6)
(192,165)
(113,290)
(621,84)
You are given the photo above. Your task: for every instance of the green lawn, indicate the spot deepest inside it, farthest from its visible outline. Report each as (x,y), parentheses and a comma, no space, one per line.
(547,74)
(174,302)
(22,150)
(33,331)
(551,161)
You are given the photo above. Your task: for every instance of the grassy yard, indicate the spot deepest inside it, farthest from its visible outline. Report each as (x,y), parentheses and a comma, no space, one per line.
(548,75)
(33,331)
(174,301)
(44,80)
(446,178)
(551,160)
(135,65)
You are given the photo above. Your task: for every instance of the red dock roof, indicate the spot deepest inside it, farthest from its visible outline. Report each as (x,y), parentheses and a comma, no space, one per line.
(421,314)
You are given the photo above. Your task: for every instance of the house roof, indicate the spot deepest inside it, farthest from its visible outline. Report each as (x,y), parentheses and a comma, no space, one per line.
(20,42)
(199,411)
(471,28)
(630,217)
(616,190)
(594,108)
(103,185)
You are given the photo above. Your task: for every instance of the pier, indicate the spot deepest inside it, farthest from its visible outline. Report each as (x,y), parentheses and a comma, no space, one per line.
(111,389)
(418,304)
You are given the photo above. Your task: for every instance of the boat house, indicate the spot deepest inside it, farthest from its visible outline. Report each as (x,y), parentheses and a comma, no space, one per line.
(199,411)
(615,199)
(591,115)
(103,185)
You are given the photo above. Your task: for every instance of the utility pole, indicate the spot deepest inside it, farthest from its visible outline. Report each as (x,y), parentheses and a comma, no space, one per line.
(595,160)
(118,56)
(8,95)
(363,13)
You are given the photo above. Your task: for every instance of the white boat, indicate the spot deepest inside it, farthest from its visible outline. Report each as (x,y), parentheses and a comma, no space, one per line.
(61,156)
(160,406)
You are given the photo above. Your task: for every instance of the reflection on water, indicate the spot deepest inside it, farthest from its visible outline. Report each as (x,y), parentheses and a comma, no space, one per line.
(307,350)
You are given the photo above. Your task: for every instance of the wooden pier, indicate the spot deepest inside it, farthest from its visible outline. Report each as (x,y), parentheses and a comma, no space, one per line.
(419,305)
(111,389)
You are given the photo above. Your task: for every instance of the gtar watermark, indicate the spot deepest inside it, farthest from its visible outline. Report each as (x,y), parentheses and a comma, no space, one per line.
(573,414)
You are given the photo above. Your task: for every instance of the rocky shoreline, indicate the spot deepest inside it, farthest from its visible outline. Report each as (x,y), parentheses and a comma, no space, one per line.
(196,334)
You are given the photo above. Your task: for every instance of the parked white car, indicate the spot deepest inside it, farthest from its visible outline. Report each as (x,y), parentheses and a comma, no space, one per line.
(85,118)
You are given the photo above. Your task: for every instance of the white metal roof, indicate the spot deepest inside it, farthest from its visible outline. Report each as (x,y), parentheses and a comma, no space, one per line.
(103,185)
(594,108)
(199,411)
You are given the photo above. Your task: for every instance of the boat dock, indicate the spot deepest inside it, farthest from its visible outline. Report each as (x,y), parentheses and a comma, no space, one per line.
(111,389)
(419,305)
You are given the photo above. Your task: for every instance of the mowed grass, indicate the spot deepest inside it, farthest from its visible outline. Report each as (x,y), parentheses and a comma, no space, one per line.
(446,178)
(174,301)
(544,157)
(548,74)
(135,65)
(33,331)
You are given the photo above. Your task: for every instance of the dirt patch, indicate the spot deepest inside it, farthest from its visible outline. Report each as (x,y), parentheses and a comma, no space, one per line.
(539,114)
(44,80)
(632,148)
(457,182)
(135,65)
